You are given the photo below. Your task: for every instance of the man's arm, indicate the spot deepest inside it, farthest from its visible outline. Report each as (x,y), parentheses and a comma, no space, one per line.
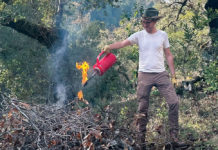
(170,62)
(117,45)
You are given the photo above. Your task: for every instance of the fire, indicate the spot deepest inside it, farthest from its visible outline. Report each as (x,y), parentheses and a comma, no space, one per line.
(85,67)
(80,97)
(80,94)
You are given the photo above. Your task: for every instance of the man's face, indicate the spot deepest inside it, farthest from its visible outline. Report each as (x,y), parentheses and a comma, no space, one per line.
(148,25)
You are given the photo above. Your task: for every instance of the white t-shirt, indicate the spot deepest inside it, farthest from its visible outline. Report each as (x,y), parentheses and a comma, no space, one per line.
(151,50)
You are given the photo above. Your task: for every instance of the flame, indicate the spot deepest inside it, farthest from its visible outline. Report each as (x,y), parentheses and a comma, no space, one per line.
(85,67)
(80,94)
(80,97)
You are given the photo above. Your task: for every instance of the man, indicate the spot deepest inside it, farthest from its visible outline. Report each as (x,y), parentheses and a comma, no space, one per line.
(153,45)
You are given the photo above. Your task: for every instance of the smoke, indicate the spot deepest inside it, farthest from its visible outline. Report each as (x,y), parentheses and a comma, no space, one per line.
(73,47)
(60,89)
(57,67)
(68,50)
(61,94)
(65,80)
(61,63)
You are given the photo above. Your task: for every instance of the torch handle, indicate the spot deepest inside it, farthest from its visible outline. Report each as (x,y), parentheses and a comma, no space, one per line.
(99,55)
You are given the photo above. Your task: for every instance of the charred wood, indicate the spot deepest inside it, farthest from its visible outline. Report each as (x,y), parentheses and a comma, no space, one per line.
(189,86)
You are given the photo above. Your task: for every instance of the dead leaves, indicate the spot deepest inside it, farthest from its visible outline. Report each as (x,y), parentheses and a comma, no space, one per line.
(24,105)
(88,139)
(112,124)
(97,134)
(8,138)
(52,143)
(10,113)
(78,136)
(2,124)
(58,128)
(97,117)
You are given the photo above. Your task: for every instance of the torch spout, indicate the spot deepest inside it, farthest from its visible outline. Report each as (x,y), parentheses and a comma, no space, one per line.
(92,76)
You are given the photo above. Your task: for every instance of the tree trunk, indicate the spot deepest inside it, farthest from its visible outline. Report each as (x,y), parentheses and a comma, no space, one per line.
(212,5)
(46,36)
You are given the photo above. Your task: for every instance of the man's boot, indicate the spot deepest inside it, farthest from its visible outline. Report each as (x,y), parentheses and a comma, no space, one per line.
(176,143)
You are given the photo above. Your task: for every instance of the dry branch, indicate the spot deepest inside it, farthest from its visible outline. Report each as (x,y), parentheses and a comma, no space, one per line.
(180,10)
(25,126)
(183,4)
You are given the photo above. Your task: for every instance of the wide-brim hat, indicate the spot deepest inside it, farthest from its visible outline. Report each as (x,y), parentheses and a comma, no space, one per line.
(151,14)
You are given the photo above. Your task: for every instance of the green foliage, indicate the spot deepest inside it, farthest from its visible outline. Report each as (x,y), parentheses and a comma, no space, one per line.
(37,11)
(198,121)
(162,112)
(123,113)
(111,15)
(91,34)
(89,4)
(186,36)
(211,77)
(22,66)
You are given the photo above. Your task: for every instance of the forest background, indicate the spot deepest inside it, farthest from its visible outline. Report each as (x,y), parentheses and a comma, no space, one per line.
(41,41)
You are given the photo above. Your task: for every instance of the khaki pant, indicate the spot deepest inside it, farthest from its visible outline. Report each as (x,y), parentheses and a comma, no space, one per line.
(161,80)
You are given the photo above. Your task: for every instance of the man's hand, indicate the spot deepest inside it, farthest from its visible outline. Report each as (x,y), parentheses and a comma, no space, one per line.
(106,49)
(174,81)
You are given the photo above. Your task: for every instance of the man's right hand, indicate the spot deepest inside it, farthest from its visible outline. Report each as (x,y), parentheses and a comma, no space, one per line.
(174,81)
(106,49)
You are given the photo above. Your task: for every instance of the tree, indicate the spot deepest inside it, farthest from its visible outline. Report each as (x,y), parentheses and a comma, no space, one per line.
(39,29)
(210,70)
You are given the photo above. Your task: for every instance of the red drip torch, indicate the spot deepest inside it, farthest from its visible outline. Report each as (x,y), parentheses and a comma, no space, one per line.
(105,63)
(102,65)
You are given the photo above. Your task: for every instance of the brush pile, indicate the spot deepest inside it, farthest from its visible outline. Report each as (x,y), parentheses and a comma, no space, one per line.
(31,126)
